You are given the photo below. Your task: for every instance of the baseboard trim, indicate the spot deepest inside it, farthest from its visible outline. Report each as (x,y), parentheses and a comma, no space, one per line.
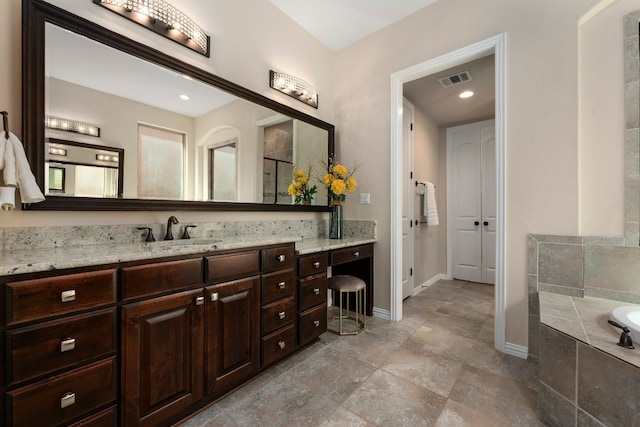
(381,313)
(516,350)
(429,282)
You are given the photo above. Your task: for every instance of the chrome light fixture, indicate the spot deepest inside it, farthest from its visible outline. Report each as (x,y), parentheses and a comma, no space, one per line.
(162,18)
(71,126)
(294,87)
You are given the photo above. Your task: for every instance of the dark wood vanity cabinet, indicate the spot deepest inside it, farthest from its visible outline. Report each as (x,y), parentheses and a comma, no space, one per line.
(312,291)
(60,340)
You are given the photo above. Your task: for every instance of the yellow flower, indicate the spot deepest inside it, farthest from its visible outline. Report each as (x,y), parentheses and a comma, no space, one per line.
(326,180)
(303,180)
(340,171)
(299,174)
(292,190)
(297,185)
(338,186)
(351,184)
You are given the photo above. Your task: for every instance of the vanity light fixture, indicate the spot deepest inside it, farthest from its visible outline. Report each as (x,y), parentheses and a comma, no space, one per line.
(71,126)
(57,151)
(164,19)
(294,87)
(107,158)
(466,94)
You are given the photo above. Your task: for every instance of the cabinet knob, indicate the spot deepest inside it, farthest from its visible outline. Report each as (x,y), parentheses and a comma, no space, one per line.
(199,300)
(282,315)
(281,258)
(356,254)
(67,400)
(282,285)
(282,345)
(67,344)
(68,296)
(214,296)
(486,223)
(316,264)
(316,291)
(316,323)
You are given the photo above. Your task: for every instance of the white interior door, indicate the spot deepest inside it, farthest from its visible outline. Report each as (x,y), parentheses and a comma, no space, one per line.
(408,190)
(472,198)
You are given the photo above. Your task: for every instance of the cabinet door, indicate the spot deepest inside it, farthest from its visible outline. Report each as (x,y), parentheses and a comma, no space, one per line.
(233,333)
(163,350)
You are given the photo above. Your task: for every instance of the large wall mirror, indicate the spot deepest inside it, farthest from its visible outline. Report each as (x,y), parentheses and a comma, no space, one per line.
(188,139)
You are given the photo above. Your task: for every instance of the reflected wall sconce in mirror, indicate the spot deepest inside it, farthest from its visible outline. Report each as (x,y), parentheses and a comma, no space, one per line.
(107,158)
(74,126)
(294,87)
(164,19)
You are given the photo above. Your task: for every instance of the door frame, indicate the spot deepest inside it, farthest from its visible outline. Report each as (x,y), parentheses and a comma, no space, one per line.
(495,45)
(410,204)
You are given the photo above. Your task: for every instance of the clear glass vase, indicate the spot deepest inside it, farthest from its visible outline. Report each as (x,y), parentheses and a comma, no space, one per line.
(335,221)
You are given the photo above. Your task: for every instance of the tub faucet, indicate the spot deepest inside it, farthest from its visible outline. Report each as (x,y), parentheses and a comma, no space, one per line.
(625,338)
(172,220)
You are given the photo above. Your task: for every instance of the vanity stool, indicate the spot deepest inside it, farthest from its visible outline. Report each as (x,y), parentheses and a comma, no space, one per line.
(345,286)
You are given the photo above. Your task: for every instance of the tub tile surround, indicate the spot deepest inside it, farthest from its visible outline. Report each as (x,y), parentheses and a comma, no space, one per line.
(33,249)
(586,379)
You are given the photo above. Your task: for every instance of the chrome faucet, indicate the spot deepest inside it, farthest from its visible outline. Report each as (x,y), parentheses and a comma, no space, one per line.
(172,220)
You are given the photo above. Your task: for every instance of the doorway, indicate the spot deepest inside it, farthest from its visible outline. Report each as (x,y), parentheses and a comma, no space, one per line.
(496,46)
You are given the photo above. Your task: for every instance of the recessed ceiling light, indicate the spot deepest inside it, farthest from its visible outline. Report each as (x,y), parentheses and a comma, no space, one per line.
(466,94)
(184,97)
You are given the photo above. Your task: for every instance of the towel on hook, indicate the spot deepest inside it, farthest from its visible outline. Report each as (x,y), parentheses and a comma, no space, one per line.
(16,170)
(429,208)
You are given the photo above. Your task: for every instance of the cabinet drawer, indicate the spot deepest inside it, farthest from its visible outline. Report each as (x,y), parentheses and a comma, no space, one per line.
(312,323)
(222,268)
(47,297)
(279,285)
(64,397)
(312,264)
(152,279)
(351,254)
(278,258)
(106,418)
(313,291)
(278,314)
(50,346)
(278,345)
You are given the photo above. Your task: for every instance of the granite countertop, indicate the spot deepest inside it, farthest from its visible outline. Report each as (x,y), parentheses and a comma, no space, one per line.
(585,319)
(36,260)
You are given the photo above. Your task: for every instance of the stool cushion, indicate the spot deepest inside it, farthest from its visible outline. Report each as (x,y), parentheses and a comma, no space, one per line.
(346,283)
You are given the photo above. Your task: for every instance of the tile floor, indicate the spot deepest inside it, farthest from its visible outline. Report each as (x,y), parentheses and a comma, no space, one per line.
(436,367)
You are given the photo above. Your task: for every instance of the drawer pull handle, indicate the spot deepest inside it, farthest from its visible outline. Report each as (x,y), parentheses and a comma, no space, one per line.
(281,258)
(282,345)
(317,323)
(68,296)
(316,291)
(199,300)
(316,264)
(67,344)
(67,400)
(282,315)
(214,296)
(281,285)
(356,254)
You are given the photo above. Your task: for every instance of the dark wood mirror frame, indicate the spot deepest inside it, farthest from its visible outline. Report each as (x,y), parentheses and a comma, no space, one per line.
(35,13)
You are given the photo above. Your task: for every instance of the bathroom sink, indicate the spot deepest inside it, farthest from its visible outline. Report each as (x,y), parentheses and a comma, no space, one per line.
(629,316)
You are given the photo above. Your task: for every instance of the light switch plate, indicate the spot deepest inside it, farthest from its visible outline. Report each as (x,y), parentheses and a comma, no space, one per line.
(365,198)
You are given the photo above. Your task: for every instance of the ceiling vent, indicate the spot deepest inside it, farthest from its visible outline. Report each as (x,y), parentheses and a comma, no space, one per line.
(455,79)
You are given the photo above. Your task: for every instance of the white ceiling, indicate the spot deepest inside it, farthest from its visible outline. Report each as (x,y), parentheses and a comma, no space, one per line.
(338,23)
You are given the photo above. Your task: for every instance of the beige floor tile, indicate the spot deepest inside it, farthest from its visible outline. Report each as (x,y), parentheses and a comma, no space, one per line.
(456,414)
(438,341)
(342,417)
(367,346)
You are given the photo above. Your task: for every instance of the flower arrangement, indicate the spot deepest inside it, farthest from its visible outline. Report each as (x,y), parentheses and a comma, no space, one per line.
(338,180)
(300,187)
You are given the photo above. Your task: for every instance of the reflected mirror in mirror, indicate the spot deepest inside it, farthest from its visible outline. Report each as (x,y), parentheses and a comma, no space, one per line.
(185,140)
(82,170)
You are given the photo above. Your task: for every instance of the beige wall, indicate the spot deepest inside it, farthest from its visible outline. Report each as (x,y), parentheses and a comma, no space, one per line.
(542,115)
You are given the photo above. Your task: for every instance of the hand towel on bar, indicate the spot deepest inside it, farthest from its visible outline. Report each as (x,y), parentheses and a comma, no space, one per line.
(17,171)
(430,210)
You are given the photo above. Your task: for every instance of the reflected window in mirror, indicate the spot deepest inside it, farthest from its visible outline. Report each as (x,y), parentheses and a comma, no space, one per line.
(223,172)
(160,163)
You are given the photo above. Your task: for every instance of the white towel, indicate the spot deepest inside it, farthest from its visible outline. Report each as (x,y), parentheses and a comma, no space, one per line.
(17,171)
(429,208)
